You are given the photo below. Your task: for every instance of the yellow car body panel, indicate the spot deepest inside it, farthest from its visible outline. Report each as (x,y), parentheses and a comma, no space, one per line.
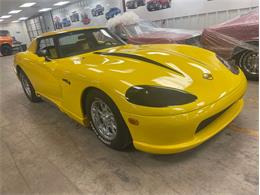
(160,130)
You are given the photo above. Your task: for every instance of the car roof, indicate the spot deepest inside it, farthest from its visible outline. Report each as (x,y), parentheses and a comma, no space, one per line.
(57,32)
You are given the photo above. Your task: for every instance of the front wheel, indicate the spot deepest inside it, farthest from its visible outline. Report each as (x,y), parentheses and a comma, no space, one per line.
(248,62)
(28,88)
(6,50)
(106,121)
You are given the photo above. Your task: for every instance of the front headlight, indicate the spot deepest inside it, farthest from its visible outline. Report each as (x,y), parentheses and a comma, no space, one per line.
(233,68)
(156,96)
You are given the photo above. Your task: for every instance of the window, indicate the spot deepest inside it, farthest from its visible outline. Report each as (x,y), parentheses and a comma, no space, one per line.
(47,44)
(83,41)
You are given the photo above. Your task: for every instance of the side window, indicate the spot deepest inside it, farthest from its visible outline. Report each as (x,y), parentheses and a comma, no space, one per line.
(47,44)
(102,37)
(73,43)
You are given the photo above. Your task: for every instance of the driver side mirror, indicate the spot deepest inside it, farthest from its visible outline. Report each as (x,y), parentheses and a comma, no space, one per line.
(44,53)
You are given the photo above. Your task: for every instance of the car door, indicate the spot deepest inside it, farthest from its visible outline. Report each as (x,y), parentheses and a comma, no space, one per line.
(47,74)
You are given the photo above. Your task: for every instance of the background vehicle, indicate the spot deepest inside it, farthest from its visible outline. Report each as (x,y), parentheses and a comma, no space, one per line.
(98,10)
(145,32)
(57,22)
(154,5)
(74,17)
(6,42)
(133,4)
(66,22)
(112,12)
(85,19)
(237,40)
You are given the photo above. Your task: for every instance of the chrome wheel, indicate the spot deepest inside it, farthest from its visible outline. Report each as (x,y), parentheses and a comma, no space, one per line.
(103,119)
(249,61)
(26,85)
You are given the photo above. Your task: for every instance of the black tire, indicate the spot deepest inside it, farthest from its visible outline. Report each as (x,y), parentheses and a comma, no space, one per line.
(6,50)
(26,84)
(135,5)
(122,139)
(169,4)
(249,63)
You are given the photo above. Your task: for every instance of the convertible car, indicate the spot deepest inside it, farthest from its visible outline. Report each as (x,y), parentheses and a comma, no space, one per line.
(160,98)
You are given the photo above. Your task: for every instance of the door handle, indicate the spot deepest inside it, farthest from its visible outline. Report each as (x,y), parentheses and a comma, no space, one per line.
(66,81)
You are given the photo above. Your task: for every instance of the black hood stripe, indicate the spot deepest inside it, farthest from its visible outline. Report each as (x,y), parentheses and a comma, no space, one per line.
(138,58)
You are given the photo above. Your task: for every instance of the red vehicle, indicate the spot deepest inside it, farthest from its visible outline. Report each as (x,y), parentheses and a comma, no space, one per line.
(236,40)
(145,32)
(85,19)
(154,5)
(6,43)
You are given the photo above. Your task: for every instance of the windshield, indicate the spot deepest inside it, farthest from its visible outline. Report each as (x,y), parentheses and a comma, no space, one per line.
(4,33)
(78,42)
(140,28)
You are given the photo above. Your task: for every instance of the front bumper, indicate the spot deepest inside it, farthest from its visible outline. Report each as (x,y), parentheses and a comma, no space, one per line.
(173,134)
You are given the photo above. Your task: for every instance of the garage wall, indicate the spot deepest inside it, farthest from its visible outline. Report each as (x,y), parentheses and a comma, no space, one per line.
(180,8)
(18,30)
(200,21)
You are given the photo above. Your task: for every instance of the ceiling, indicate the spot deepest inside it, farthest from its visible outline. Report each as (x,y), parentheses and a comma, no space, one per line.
(9,5)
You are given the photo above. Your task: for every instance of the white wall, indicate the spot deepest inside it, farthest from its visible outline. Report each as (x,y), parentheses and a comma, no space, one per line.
(180,8)
(203,20)
(18,30)
(192,7)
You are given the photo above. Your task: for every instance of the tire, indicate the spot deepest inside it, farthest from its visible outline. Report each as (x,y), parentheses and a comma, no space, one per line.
(6,50)
(164,6)
(117,136)
(135,5)
(28,88)
(249,63)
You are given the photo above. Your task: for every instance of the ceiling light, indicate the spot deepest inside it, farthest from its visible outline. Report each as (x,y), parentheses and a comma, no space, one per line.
(27,4)
(15,21)
(14,11)
(1,20)
(5,16)
(23,18)
(61,3)
(45,9)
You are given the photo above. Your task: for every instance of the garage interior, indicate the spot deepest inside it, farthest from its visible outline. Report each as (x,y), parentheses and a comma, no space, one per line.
(44,151)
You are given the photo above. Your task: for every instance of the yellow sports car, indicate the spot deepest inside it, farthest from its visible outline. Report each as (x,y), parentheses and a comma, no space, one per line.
(160,98)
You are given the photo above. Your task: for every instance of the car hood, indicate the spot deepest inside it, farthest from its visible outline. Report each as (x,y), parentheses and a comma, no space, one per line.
(176,66)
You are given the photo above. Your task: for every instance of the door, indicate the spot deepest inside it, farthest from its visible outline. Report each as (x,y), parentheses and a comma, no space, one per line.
(47,74)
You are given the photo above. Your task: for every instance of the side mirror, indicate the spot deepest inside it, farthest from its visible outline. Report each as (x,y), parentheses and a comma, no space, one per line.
(44,53)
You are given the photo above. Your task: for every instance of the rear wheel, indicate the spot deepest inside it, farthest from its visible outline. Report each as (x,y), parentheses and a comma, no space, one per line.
(249,63)
(28,88)
(106,121)
(6,50)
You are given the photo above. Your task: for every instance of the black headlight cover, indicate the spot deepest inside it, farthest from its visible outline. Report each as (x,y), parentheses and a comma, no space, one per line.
(157,96)
(233,68)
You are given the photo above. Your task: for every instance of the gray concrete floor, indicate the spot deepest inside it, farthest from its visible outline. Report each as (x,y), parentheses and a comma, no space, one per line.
(45,152)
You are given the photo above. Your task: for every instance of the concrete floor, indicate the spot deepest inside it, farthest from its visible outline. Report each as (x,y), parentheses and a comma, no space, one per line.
(44,151)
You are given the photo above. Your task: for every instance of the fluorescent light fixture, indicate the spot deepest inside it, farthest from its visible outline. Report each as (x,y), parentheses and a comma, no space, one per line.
(1,20)
(45,9)
(5,16)
(61,3)
(15,21)
(28,4)
(14,11)
(23,18)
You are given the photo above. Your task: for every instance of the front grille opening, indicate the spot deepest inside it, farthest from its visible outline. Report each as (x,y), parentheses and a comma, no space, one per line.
(209,120)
